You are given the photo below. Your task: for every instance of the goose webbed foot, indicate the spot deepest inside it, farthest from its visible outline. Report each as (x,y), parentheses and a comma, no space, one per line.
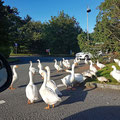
(11,88)
(29,102)
(48,107)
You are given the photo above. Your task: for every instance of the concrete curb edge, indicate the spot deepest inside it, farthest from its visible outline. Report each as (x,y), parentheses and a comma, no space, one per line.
(99,85)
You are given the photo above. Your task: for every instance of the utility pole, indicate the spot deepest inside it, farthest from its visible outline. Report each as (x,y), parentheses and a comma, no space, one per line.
(88,10)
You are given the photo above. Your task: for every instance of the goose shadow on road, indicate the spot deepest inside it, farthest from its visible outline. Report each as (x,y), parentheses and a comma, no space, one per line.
(75,95)
(36,83)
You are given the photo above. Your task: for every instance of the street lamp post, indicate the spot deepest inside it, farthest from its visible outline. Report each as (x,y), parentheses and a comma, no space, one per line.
(88,10)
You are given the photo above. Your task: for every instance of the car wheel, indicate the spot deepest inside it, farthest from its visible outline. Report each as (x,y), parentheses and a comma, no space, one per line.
(87,57)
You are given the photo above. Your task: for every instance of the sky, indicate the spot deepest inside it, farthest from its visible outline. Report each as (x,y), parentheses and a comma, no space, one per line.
(42,10)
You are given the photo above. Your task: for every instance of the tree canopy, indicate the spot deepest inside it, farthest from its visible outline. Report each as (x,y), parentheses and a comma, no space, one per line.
(61,34)
(63,31)
(106,35)
(108,25)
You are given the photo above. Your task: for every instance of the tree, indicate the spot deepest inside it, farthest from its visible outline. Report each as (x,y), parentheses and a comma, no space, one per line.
(6,25)
(108,25)
(63,31)
(31,37)
(82,41)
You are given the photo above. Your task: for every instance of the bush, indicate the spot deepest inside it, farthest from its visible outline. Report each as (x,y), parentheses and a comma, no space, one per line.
(5,51)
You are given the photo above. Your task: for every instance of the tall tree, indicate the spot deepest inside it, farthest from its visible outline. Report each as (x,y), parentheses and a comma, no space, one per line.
(31,37)
(82,41)
(63,31)
(6,25)
(108,25)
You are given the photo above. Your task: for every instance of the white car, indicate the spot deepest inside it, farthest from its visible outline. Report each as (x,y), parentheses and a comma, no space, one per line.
(83,55)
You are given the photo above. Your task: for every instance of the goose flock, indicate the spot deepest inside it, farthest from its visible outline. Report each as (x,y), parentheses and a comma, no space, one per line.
(49,91)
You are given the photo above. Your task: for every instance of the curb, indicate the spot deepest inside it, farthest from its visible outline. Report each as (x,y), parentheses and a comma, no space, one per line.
(99,85)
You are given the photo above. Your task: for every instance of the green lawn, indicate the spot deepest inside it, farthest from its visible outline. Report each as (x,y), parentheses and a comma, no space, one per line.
(12,59)
(20,54)
(106,73)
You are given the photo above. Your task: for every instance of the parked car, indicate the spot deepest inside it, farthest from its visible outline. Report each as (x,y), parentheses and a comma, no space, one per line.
(83,55)
(100,53)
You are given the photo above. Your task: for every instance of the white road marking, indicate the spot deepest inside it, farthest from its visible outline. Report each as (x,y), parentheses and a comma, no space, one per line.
(2,101)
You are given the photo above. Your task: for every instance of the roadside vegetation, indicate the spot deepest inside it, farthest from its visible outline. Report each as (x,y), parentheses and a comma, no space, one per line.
(106,73)
(62,34)
(10,60)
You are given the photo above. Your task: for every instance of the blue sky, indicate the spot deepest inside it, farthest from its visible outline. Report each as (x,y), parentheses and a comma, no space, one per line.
(42,10)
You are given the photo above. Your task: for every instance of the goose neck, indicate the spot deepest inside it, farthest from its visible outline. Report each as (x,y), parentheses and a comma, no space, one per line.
(45,80)
(72,73)
(38,61)
(14,71)
(48,75)
(55,62)
(90,63)
(40,66)
(31,78)
(30,64)
(114,68)
(73,66)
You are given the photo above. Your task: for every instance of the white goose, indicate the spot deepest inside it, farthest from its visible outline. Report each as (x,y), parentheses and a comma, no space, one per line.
(64,60)
(66,63)
(102,79)
(93,73)
(40,68)
(50,83)
(92,68)
(61,65)
(86,62)
(100,65)
(69,79)
(31,90)
(57,67)
(87,73)
(15,77)
(76,61)
(79,78)
(31,68)
(115,73)
(47,94)
(39,64)
(117,61)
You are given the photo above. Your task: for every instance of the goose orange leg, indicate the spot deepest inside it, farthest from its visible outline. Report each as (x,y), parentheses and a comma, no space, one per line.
(11,88)
(48,107)
(29,102)
(53,105)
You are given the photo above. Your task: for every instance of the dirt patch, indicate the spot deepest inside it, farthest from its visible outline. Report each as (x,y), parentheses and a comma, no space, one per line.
(80,69)
(84,67)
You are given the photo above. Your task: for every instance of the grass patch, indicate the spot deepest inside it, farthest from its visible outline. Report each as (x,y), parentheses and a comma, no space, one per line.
(106,73)
(43,55)
(21,54)
(12,59)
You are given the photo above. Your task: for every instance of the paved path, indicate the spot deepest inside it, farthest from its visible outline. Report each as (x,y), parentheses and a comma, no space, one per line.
(81,104)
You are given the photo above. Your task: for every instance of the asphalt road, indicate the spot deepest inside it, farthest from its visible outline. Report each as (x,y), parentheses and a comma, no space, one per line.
(81,104)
